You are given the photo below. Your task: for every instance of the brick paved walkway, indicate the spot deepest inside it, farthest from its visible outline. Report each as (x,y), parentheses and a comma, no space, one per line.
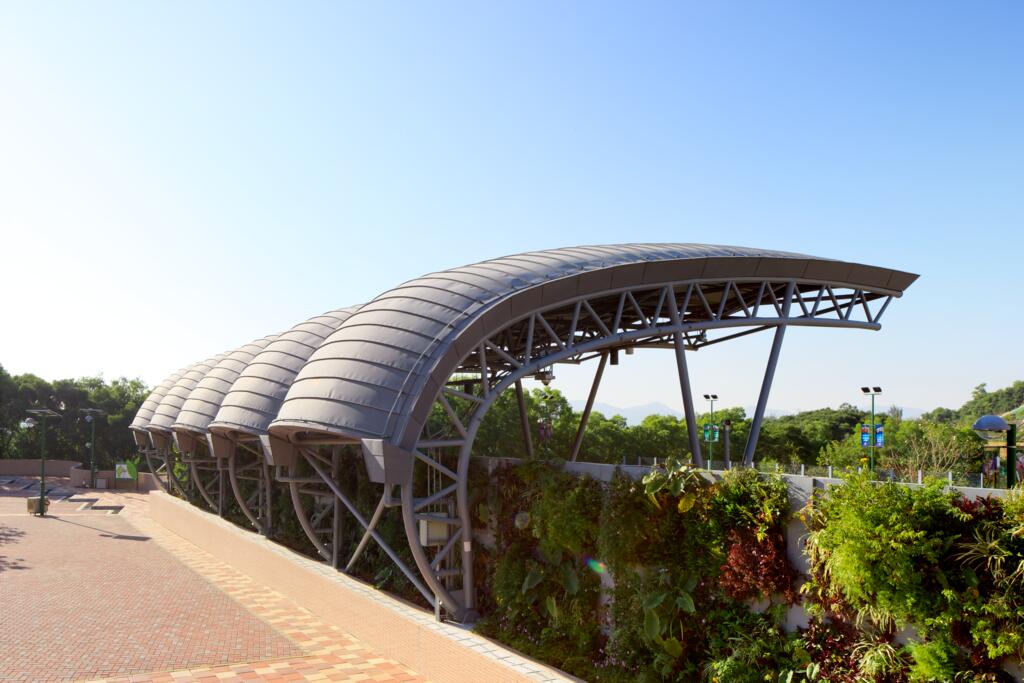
(87,594)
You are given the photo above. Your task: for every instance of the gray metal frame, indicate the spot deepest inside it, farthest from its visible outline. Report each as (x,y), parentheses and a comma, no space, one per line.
(248,407)
(140,423)
(408,378)
(163,454)
(683,316)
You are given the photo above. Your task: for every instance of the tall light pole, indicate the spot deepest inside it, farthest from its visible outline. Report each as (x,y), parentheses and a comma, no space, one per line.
(91,415)
(872,392)
(43,414)
(711,445)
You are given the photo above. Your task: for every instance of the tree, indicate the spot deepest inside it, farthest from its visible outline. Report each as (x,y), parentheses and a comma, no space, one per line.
(67,438)
(935,447)
(843,454)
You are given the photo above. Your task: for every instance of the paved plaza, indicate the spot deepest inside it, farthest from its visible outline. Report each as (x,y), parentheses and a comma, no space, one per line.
(97,591)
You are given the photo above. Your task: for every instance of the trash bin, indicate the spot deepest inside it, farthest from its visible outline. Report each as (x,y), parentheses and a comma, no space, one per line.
(33,505)
(101,483)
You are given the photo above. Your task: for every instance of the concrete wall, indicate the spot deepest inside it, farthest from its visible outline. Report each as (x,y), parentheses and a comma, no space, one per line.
(438,651)
(76,472)
(80,478)
(30,468)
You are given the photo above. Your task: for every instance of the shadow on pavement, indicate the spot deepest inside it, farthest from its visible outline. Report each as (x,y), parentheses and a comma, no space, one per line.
(10,535)
(103,532)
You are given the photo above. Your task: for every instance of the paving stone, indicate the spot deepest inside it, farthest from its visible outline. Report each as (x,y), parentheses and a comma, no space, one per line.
(92,595)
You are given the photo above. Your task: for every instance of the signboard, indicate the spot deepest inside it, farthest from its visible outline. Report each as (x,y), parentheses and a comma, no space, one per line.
(125,470)
(879,436)
(865,435)
(710,432)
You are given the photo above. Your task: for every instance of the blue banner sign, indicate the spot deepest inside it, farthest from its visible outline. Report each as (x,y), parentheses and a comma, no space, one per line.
(710,433)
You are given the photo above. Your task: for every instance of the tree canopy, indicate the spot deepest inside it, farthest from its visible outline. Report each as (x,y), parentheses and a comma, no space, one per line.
(941,439)
(982,402)
(66,438)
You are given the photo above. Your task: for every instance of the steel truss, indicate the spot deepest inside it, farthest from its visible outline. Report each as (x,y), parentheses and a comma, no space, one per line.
(321,506)
(682,316)
(252,483)
(161,463)
(209,477)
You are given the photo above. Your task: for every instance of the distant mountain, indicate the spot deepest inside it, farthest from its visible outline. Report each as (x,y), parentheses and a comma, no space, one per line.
(633,414)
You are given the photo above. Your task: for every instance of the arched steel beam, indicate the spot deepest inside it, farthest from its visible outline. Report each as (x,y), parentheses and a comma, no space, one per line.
(379,377)
(603,337)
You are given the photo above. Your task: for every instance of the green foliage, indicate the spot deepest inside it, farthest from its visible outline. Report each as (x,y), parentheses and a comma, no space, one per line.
(880,548)
(800,437)
(660,541)
(545,598)
(67,438)
(933,661)
(751,648)
(884,556)
(982,402)
(673,479)
(826,436)
(751,501)
(843,454)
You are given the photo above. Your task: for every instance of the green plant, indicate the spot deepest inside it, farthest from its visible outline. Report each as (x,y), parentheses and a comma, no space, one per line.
(932,661)
(750,648)
(877,547)
(663,621)
(675,479)
(879,659)
(810,673)
(747,499)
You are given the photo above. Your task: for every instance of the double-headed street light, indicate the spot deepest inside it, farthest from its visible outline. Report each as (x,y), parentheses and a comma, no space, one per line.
(872,440)
(43,414)
(91,415)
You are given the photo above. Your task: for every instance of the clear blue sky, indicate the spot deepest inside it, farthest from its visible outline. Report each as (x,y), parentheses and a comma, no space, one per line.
(178,178)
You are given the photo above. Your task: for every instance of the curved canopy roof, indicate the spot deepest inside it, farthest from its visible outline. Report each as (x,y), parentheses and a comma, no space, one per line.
(390,358)
(201,406)
(167,411)
(145,414)
(256,395)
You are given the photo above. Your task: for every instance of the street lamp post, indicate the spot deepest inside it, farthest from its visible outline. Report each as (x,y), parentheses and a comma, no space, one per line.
(91,414)
(711,445)
(872,392)
(985,426)
(43,414)
(726,429)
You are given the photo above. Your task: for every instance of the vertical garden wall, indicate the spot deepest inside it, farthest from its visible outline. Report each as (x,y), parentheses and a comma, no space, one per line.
(683,576)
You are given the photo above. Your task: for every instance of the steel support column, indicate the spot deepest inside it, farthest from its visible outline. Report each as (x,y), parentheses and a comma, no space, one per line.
(684,381)
(337,529)
(578,442)
(524,419)
(221,490)
(684,387)
(268,500)
(769,375)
